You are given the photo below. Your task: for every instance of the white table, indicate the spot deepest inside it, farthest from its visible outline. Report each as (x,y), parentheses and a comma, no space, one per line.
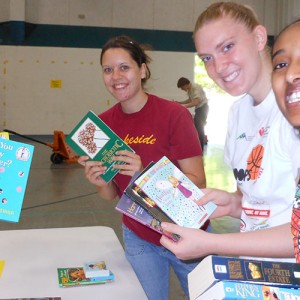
(32,257)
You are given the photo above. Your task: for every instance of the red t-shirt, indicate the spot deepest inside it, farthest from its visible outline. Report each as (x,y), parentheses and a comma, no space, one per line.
(160,128)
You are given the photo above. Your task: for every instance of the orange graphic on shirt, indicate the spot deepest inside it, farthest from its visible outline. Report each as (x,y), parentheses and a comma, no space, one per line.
(254,162)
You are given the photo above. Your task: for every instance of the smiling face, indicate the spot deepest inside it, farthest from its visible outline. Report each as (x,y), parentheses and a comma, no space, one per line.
(286,73)
(121,74)
(231,53)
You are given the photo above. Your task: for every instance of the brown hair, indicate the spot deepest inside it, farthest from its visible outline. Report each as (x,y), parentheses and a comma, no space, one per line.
(239,12)
(136,51)
(182,81)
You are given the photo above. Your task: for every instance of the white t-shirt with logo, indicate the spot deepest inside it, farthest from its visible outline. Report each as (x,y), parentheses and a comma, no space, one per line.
(264,153)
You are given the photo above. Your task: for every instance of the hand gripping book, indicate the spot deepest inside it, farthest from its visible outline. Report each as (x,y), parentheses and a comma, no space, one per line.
(141,213)
(174,193)
(93,138)
(213,269)
(234,290)
(15,162)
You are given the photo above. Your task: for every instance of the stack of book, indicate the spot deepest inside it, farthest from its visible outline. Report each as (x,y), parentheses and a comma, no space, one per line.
(163,193)
(220,277)
(94,272)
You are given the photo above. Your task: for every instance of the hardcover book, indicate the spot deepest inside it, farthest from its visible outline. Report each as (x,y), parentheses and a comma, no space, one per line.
(174,193)
(15,162)
(95,269)
(213,269)
(93,138)
(69,277)
(230,290)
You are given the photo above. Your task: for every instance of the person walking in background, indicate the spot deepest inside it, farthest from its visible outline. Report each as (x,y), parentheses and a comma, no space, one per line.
(196,98)
(261,147)
(153,127)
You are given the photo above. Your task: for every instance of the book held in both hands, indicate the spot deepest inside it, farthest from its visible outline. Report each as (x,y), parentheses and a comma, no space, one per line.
(93,138)
(15,162)
(213,269)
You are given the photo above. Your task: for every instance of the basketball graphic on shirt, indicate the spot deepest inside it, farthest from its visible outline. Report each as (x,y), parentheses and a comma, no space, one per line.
(254,162)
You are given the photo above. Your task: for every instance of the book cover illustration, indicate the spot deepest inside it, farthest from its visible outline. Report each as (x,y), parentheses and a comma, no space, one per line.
(175,194)
(92,137)
(248,291)
(15,162)
(95,268)
(4,135)
(69,277)
(134,192)
(132,209)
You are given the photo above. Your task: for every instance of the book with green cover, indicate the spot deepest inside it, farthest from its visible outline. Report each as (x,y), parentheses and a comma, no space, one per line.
(92,137)
(69,277)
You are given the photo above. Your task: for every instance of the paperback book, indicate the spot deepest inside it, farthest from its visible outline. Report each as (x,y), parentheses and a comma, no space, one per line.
(231,290)
(95,269)
(132,209)
(143,210)
(70,277)
(165,186)
(15,163)
(213,269)
(93,138)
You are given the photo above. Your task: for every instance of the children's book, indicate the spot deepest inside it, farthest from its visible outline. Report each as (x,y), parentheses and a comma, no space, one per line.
(213,269)
(174,193)
(15,162)
(230,290)
(92,137)
(69,277)
(95,269)
(109,277)
(142,210)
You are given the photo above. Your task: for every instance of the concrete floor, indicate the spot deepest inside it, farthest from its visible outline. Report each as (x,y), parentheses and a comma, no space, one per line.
(60,196)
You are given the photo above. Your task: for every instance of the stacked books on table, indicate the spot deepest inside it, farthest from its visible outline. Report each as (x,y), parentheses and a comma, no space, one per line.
(163,193)
(94,272)
(220,277)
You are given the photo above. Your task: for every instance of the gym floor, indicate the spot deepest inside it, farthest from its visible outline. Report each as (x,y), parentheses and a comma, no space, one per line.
(60,196)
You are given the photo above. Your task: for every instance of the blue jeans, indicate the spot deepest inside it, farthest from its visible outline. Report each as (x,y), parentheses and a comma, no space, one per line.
(152,263)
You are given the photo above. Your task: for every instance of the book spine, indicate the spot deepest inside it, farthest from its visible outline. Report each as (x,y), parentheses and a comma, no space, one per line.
(271,272)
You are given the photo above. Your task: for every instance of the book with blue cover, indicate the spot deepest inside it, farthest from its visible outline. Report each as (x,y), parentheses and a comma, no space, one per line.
(15,162)
(174,193)
(213,269)
(95,269)
(231,290)
(93,138)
